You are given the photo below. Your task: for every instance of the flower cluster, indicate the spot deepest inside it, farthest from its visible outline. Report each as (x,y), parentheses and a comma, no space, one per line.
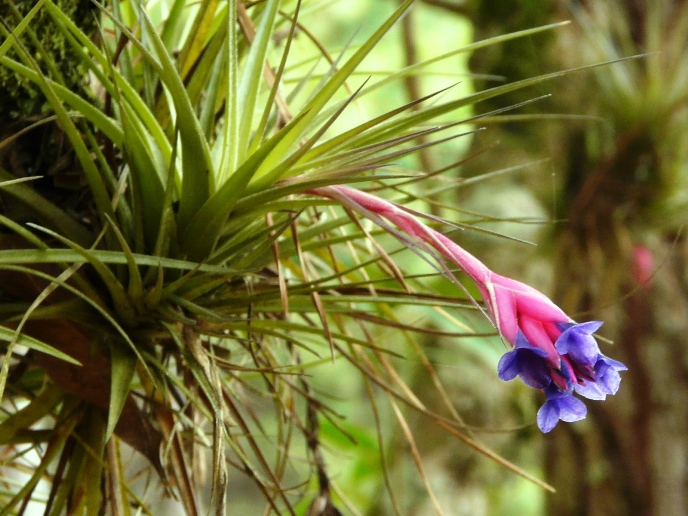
(550,351)
(568,361)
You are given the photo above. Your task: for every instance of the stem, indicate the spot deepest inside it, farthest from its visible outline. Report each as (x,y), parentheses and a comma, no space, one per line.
(367,204)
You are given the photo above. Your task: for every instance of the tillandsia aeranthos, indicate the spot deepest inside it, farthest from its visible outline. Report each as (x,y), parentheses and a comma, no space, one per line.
(165,304)
(550,351)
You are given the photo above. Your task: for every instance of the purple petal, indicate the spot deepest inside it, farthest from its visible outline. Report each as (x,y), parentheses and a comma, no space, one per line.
(527,364)
(533,370)
(589,327)
(571,409)
(610,381)
(577,342)
(566,407)
(508,368)
(548,416)
(608,377)
(591,390)
(604,362)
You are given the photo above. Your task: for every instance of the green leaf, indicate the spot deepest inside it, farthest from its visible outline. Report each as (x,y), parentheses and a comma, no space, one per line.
(11,39)
(250,80)
(170,30)
(68,419)
(200,236)
(95,181)
(135,287)
(119,297)
(198,34)
(207,86)
(40,406)
(419,67)
(46,212)
(345,137)
(109,127)
(197,177)
(146,175)
(229,137)
(324,94)
(286,167)
(128,91)
(123,368)
(392,128)
(94,303)
(26,256)
(8,335)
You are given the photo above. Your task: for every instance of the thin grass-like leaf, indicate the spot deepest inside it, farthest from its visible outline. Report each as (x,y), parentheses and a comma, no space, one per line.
(128,92)
(273,96)
(393,128)
(285,168)
(194,45)
(55,255)
(313,108)
(20,28)
(37,408)
(85,109)
(408,435)
(61,434)
(472,47)
(45,211)
(123,362)
(249,86)
(8,335)
(229,137)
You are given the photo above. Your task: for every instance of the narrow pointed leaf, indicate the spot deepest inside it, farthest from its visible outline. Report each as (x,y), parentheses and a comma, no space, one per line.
(21,27)
(118,295)
(196,163)
(9,335)
(250,80)
(324,95)
(123,368)
(200,236)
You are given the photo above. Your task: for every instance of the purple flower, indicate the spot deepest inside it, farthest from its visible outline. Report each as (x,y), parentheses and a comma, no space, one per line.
(560,405)
(607,370)
(577,342)
(525,361)
(579,366)
(607,379)
(550,352)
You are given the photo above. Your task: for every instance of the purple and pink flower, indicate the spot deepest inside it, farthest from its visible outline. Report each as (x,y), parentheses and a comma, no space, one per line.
(550,351)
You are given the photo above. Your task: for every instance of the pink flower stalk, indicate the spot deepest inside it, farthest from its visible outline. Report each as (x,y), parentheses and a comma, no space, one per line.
(550,351)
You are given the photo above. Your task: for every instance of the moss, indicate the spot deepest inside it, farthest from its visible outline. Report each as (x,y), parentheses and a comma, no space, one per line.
(22,99)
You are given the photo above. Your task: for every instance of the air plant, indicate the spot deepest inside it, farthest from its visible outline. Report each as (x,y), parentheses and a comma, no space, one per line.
(209,267)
